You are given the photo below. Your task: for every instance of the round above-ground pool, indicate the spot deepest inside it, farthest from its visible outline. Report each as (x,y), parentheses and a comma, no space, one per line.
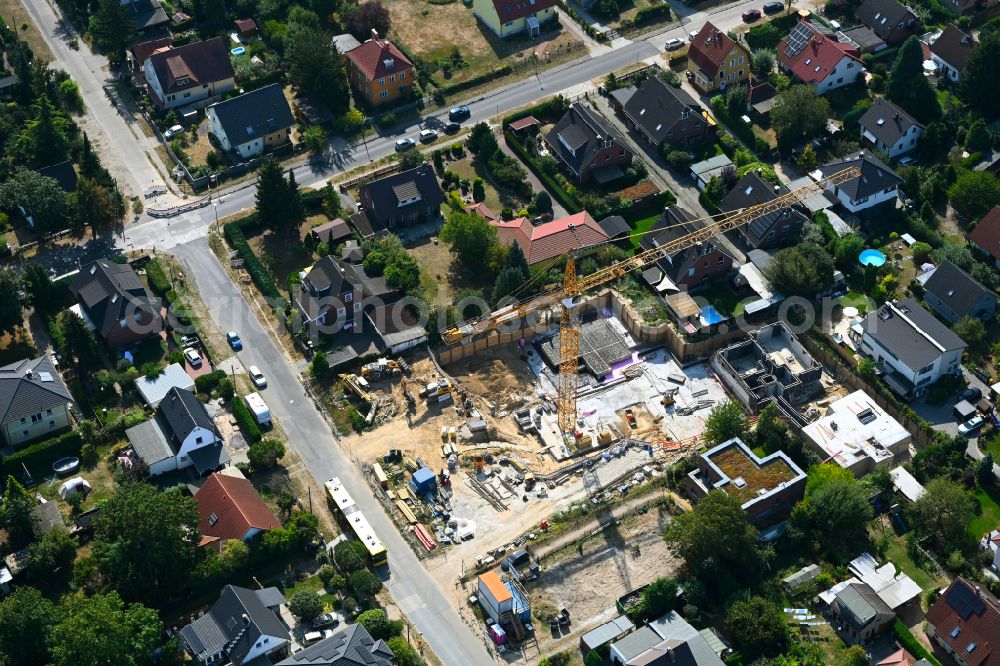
(239,50)
(871,257)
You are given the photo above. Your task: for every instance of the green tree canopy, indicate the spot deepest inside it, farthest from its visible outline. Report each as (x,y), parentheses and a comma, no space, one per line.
(17,515)
(266,453)
(757,626)
(798,114)
(846,250)
(482,142)
(944,512)
(365,584)
(980,78)
(40,197)
(11,301)
(378,624)
(100,630)
(762,62)
(908,87)
(725,421)
(315,67)
(802,270)
(79,342)
(973,332)
(659,598)
(837,507)
(306,605)
(26,617)
(113,28)
(52,556)
(272,195)
(974,193)
(145,541)
(470,237)
(350,556)
(771,433)
(95,206)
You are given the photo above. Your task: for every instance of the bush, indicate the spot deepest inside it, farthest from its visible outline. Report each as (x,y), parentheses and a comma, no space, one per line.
(378,624)
(38,457)
(679,160)
(331,579)
(910,643)
(265,454)
(205,383)
(350,556)
(226,389)
(157,277)
(248,426)
(365,584)
(258,273)
(305,605)
(651,13)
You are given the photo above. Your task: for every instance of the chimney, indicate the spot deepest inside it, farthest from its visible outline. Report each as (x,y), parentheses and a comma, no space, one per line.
(979,591)
(374,34)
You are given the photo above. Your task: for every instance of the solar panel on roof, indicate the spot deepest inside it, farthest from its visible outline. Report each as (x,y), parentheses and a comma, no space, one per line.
(964,600)
(797,40)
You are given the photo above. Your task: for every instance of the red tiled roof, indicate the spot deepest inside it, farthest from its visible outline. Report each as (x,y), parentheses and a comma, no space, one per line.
(245,25)
(822,54)
(967,617)
(236,506)
(481,210)
(898,658)
(143,50)
(552,239)
(377,58)
(710,48)
(524,123)
(987,233)
(516,9)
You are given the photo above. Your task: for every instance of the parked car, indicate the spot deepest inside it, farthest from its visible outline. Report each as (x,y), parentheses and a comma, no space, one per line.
(971,394)
(460,113)
(907,160)
(405,144)
(193,357)
(257,377)
(673,44)
(325,620)
(428,135)
(316,636)
(173,131)
(773,7)
(971,426)
(452,128)
(234,340)
(693,34)
(751,15)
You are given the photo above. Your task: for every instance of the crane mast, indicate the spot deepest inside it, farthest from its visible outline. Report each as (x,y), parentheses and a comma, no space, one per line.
(574,285)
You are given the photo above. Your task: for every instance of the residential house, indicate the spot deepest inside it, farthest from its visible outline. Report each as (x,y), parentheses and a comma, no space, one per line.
(252,123)
(587,146)
(332,233)
(986,235)
(229,508)
(335,295)
(687,267)
(891,584)
(195,74)
(664,114)
(704,171)
(858,435)
(965,623)
(400,199)
(246,28)
(874,185)
(146,15)
(667,641)
(990,544)
(860,612)
(182,434)
(767,487)
(398,326)
(864,38)
(716,61)
(511,17)
(912,347)
(603,634)
(243,627)
(969,6)
(155,389)
(889,128)
(953,294)
(906,485)
(774,229)
(378,71)
(34,401)
(891,20)
(762,98)
(817,57)
(137,54)
(578,233)
(951,50)
(351,646)
(114,303)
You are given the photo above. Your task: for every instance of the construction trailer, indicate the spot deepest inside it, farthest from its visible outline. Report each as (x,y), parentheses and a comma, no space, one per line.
(505,602)
(261,412)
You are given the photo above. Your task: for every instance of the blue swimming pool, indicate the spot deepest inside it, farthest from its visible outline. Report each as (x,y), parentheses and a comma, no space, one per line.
(871,257)
(239,50)
(709,316)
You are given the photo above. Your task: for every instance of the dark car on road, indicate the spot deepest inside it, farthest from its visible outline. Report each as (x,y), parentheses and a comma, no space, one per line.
(971,394)
(751,15)
(452,128)
(773,7)
(459,113)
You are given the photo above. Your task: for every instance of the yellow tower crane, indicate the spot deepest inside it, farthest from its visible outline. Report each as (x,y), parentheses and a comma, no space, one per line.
(573,286)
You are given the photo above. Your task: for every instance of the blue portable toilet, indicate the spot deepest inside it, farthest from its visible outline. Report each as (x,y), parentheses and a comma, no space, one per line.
(423,482)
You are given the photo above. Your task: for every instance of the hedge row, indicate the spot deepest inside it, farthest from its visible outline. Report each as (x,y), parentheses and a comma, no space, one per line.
(248,426)
(157,277)
(205,383)
(566,200)
(38,458)
(551,109)
(477,80)
(910,642)
(258,273)
(650,13)
(587,28)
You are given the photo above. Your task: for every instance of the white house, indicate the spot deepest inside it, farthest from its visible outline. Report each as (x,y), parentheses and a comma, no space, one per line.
(912,348)
(189,75)
(889,128)
(876,184)
(991,544)
(244,626)
(252,123)
(819,57)
(951,50)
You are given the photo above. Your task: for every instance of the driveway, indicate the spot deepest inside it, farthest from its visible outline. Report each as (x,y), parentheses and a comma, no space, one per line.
(309,435)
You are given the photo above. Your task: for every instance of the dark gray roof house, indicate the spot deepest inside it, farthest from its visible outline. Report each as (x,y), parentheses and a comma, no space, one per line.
(116,302)
(890,128)
(182,413)
(689,265)
(891,20)
(252,117)
(865,38)
(397,200)
(242,626)
(875,183)
(863,611)
(953,294)
(663,113)
(587,145)
(772,229)
(336,284)
(34,401)
(351,646)
(953,48)
(181,429)
(146,14)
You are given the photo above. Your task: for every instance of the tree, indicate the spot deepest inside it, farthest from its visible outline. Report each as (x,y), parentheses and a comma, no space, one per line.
(974,193)
(714,538)
(44,139)
(17,515)
(908,87)
(350,556)
(11,301)
(145,541)
(41,197)
(470,237)
(771,433)
(79,342)
(973,332)
(478,190)
(265,454)
(802,270)
(977,138)
(113,28)
(543,202)
(726,421)
(38,287)
(320,366)
(594,658)
(94,205)
(52,555)
(658,598)
(824,474)
(314,138)
(315,67)
(482,142)
(762,62)
(305,605)
(211,15)
(838,510)
(984,473)
(25,620)
(980,79)
(403,652)
(101,629)
(272,195)
(798,113)
(371,15)
(296,212)
(846,250)
(807,158)
(90,163)
(856,656)
(921,252)
(365,584)
(378,624)
(944,512)
(757,626)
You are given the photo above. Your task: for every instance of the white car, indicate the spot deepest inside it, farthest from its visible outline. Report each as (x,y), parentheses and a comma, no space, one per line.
(427,135)
(257,377)
(405,144)
(673,44)
(971,426)
(173,131)
(193,357)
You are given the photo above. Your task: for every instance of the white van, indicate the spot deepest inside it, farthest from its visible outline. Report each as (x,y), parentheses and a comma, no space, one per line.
(261,412)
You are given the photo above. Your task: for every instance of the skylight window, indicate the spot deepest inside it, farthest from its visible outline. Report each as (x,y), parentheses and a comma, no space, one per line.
(809,61)
(956,631)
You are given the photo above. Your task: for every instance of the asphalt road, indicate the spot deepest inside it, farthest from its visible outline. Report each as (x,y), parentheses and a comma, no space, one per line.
(413,590)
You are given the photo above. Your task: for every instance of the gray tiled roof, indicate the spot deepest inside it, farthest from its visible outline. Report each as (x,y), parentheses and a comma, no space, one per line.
(254,115)
(862,603)
(884,16)
(351,646)
(382,199)
(887,122)
(22,394)
(109,292)
(180,412)
(233,625)
(149,442)
(657,107)
(956,288)
(698,652)
(584,132)
(752,190)
(874,178)
(911,333)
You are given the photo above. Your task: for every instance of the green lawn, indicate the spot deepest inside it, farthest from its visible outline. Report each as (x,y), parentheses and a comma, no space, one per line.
(641,226)
(722,296)
(855,299)
(898,554)
(989,518)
